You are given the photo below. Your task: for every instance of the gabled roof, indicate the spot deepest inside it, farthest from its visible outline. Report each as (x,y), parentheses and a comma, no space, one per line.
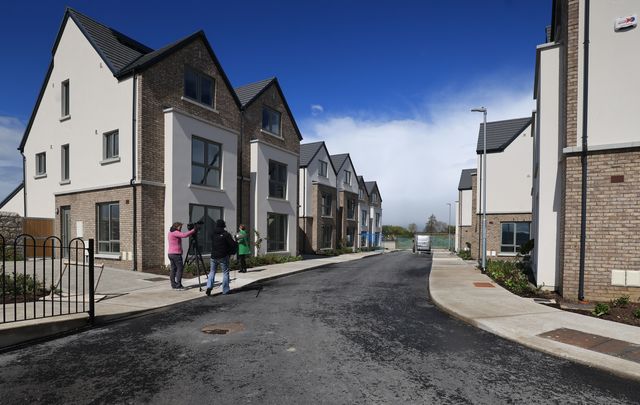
(465,179)
(371,186)
(308,152)
(500,134)
(362,185)
(11,195)
(338,160)
(248,93)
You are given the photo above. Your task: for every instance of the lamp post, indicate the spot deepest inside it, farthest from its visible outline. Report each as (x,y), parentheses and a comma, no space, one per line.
(483,110)
(449,228)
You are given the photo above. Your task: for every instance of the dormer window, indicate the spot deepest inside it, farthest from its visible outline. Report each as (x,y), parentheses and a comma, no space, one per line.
(271,121)
(199,87)
(64,99)
(323,168)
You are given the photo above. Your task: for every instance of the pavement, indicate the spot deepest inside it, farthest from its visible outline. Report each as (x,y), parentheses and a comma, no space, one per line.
(460,289)
(456,287)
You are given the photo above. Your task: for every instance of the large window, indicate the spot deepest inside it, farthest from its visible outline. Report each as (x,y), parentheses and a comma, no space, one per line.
(206,216)
(351,209)
(111,145)
(363,217)
(377,219)
(326,204)
(277,179)
(108,228)
(514,235)
(199,86)
(351,236)
(271,120)
(205,162)
(323,168)
(347,177)
(327,236)
(64,162)
(276,232)
(41,164)
(64,99)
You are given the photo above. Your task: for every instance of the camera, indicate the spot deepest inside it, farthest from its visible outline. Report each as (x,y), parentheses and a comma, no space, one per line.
(192,225)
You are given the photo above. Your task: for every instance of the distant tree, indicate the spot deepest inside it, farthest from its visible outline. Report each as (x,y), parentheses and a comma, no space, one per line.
(431,225)
(394,231)
(412,228)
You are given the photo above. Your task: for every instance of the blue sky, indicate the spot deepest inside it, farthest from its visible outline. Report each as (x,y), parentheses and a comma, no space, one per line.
(356,74)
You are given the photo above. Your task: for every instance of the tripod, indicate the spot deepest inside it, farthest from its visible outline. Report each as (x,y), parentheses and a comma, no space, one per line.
(194,256)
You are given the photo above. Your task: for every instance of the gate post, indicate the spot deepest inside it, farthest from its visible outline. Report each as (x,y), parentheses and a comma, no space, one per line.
(92,307)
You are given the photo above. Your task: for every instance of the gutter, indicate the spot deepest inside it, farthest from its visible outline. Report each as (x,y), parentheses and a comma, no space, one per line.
(133,174)
(584,154)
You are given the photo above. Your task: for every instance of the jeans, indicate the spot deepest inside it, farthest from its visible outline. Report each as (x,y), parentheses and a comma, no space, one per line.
(176,270)
(224,266)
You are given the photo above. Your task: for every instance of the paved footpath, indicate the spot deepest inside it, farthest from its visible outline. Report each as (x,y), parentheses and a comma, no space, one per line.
(461,290)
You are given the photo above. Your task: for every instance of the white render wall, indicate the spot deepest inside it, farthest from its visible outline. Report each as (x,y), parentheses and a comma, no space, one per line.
(466,201)
(16,204)
(509,177)
(547,185)
(341,177)
(312,173)
(457,211)
(98,104)
(179,128)
(261,203)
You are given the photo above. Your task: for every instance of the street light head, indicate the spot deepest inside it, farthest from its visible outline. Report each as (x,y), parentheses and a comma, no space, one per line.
(479,109)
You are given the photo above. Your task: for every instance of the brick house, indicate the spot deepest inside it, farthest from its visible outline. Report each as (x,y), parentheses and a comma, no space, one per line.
(508,169)
(375,214)
(464,211)
(124,140)
(318,199)
(270,156)
(364,221)
(347,212)
(587,151)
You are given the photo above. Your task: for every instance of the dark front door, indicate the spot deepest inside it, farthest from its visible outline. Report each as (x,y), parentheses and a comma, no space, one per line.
(65,229)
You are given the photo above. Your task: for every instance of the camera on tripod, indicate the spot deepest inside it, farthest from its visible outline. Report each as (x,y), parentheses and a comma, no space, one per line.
(192,225)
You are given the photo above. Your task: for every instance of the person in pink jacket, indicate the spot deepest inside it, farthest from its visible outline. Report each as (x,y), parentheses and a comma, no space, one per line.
(174,237)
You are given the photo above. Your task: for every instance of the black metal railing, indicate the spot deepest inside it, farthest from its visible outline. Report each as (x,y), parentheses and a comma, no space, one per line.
(55,280)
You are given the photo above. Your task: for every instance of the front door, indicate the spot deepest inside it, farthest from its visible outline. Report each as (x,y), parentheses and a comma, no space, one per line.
(65,229)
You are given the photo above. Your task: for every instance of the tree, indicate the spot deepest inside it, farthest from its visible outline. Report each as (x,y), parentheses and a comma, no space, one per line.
(431,225)
(412,228)
(394,231)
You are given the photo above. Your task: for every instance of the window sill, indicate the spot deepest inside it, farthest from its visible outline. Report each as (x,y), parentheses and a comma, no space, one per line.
(207,188)
(111,256)
(40,176)
(507,254)
(326,216)
(65,182)
(65,118)
(277,198)
(110,160)
(264,131)
(278,252)
(199,104)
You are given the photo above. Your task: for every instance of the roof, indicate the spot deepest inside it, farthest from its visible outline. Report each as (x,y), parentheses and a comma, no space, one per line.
(500,134)
(11,195)
(338,160)
(249,92)
(308,151)
(371,186)
(362,184)
(465,179)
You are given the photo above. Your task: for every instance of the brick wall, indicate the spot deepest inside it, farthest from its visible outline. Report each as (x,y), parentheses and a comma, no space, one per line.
(571,49)
(494,231)
(466,236)
(319,220)
(475,224)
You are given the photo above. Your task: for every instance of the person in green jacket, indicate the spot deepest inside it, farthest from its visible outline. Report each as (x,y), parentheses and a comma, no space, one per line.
(242,237)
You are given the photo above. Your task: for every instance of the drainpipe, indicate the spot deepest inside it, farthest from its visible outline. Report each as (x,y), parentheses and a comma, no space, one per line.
(24,184)
(133,175)
(585,108)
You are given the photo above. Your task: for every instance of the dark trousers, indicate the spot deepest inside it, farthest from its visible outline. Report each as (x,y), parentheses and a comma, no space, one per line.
(243,262)
(176,270)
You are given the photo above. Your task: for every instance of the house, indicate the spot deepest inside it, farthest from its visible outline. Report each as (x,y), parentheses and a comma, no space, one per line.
(318,199)
(363,214)
(125,140)
(464,211)
(587,151)
(14,202)
(375,214)
(271,152)
(508,194)
(347,213)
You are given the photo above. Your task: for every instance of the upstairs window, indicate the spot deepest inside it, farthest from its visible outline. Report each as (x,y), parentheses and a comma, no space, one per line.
(326,204)
(41,164)
(64,160)
(374,197)
(363,217)
(64,99)
(110,145)
(199,86)
(277,179)
(271,120)
(377,220)
(323,168)
(361,194)
(205,162)
(347,177)
(351,209)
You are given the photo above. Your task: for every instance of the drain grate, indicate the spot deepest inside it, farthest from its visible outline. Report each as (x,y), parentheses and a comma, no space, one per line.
(223,328)
(483,285)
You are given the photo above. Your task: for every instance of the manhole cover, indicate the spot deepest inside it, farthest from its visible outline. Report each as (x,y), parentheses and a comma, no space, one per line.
(223,328)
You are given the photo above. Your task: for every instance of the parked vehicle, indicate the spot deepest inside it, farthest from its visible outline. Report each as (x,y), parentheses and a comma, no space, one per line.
(421,243)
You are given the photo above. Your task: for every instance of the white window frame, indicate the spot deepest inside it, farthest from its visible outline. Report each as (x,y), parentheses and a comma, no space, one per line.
(41,164)
(111,145)
(347,177)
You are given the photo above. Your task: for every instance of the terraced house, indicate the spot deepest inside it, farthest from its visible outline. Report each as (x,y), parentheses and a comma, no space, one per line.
(363,214)
(464,211)
(347,213)
(374,235)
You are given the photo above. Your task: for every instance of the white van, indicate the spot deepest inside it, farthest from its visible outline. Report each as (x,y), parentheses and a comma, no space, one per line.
(421,243)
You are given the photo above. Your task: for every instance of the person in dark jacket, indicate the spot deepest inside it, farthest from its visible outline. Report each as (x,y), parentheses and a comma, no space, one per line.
(222,246)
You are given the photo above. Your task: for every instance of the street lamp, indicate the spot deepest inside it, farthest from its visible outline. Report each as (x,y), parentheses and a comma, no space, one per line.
(449,228)
(483,110)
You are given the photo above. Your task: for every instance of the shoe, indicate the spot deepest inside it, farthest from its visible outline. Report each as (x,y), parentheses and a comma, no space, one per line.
(208,292)
(181,287)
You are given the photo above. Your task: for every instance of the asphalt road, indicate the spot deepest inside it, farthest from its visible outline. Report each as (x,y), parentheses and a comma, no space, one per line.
(359,332)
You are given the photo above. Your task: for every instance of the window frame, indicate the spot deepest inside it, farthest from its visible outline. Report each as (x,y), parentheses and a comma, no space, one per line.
(377,219)
(347,177)
(276,113)
(115,145)
(353,208)
(65,92)
(323,204)
(274,244)
(324,169)
(327,230)
(199,75)
(41,166)
(108,241)
(364,216)
(275,183)
(204,233)
(65,165)
(204,165)
(515,247)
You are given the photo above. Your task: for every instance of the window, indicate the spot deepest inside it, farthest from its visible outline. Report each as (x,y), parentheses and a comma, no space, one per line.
(277,179)
(64,160)
(514,235)
(64,99)
(109,228)
(326,204)
(374,197)
(199,86)
(323,168)
(351,209)
(347,177)
(111,145)
(377,219)
(208,215)
(41,164)
(351,232)
(276,232)
(363,217)
(327,236)
(205,162)
(361,194)
(363,239)
(271,120)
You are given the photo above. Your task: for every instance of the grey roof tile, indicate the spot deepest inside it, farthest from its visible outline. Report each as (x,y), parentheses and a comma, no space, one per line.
(308,151)
(465,179)
(248,92)
(500,134)
(338,160)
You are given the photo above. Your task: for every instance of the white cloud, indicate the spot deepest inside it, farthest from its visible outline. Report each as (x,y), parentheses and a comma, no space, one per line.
(11,130)
(316,109)
(417,161)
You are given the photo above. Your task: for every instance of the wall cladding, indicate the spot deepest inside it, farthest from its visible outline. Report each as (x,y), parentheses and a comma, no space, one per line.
(11,225)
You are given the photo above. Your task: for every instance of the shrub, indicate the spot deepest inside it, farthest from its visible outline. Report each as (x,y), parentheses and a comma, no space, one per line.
(636,313)
(622,301)
(24,285)
(508,275)
(464,254)
(601,309)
